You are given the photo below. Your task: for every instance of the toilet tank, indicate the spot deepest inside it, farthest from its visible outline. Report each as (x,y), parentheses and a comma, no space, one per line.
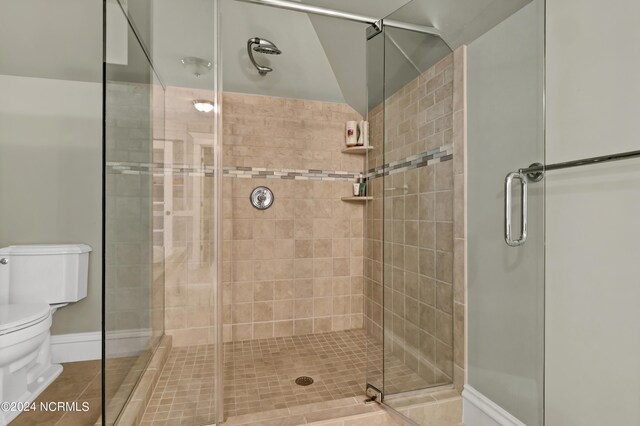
(44,273)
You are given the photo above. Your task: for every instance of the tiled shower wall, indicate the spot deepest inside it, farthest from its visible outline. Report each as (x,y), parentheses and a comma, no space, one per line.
(410,225)
(297,267)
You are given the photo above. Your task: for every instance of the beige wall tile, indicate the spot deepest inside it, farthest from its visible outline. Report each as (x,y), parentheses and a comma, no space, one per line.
(263,291)
(262,311)
(284,228)
(283,328)
(302,326)
(262,330)
(322,248)
(322,325)
(283,310)
(283,289)
(303,248)
(279,264)
(242,313)
(242,332)
(322,286)
(424,211)
(303,288)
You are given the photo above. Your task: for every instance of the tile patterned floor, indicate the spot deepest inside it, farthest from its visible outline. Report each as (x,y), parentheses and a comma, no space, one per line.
(82,382)
(79,381)
(184,394)
(259,376)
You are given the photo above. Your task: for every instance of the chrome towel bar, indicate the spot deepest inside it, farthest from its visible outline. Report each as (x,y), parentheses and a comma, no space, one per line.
(535,173)
(539,168)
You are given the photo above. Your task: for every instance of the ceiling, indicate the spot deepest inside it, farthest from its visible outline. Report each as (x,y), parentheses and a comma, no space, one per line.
(301,71)
(323,58)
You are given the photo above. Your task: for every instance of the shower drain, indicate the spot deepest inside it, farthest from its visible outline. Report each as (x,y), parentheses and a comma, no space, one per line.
(304,381)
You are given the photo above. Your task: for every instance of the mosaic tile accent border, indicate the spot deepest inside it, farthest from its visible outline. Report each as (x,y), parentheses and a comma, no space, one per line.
(157,169)
(427,158)
(292,174)
(231,172)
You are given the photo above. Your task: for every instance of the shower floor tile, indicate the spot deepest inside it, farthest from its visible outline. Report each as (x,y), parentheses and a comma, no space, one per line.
(259,375)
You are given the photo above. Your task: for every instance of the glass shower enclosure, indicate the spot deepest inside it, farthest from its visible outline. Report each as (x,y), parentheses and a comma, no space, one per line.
(410,220)
(161,189)
(133,226)
(451,114)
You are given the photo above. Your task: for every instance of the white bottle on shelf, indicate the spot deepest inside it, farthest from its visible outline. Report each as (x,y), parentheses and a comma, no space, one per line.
(351,133)
(363,133)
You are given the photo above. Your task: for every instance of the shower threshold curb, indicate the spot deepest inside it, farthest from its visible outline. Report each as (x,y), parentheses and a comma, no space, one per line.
(315,413)
(136,405)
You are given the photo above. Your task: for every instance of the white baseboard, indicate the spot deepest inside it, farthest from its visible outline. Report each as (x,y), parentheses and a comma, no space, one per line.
(478,410)
(76,347)
(123,343)
(88,346)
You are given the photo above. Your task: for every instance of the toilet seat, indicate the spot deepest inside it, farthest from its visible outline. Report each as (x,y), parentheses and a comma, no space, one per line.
(14,317)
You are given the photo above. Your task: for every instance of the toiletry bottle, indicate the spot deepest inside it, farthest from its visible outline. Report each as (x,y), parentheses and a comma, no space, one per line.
(351,133)
(363,133)
(363,186)
(356,186)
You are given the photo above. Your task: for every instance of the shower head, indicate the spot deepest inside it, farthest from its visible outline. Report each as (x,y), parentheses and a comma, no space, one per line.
(265,46)
(261,46)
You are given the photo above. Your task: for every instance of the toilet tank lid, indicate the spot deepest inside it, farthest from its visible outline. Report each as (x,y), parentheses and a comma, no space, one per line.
(40,249)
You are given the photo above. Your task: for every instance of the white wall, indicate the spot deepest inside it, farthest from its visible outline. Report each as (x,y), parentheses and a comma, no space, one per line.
(51,176)
(592,259)
(59,39)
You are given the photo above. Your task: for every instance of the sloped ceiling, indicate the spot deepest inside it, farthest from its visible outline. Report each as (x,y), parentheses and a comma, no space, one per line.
(459,21)
(301,71)
(323,58)
(343,44)
(407,53)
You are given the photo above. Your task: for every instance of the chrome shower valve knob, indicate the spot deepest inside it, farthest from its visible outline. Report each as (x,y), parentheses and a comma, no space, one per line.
(261,198)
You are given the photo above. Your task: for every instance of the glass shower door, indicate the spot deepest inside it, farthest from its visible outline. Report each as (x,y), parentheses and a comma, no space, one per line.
(410,220)
(418,212)
(451,306)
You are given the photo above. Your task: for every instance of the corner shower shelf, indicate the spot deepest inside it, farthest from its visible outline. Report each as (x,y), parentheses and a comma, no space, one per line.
(360,150)
(357,198)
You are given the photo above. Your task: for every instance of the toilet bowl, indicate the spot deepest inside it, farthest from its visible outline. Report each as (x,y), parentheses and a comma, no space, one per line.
(25,361)
(34,282)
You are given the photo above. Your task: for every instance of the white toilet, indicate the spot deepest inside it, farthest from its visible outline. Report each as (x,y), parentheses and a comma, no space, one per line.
(35,280)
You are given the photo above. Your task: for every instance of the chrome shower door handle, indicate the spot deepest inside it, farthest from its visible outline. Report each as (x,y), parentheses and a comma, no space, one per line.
(508,183)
